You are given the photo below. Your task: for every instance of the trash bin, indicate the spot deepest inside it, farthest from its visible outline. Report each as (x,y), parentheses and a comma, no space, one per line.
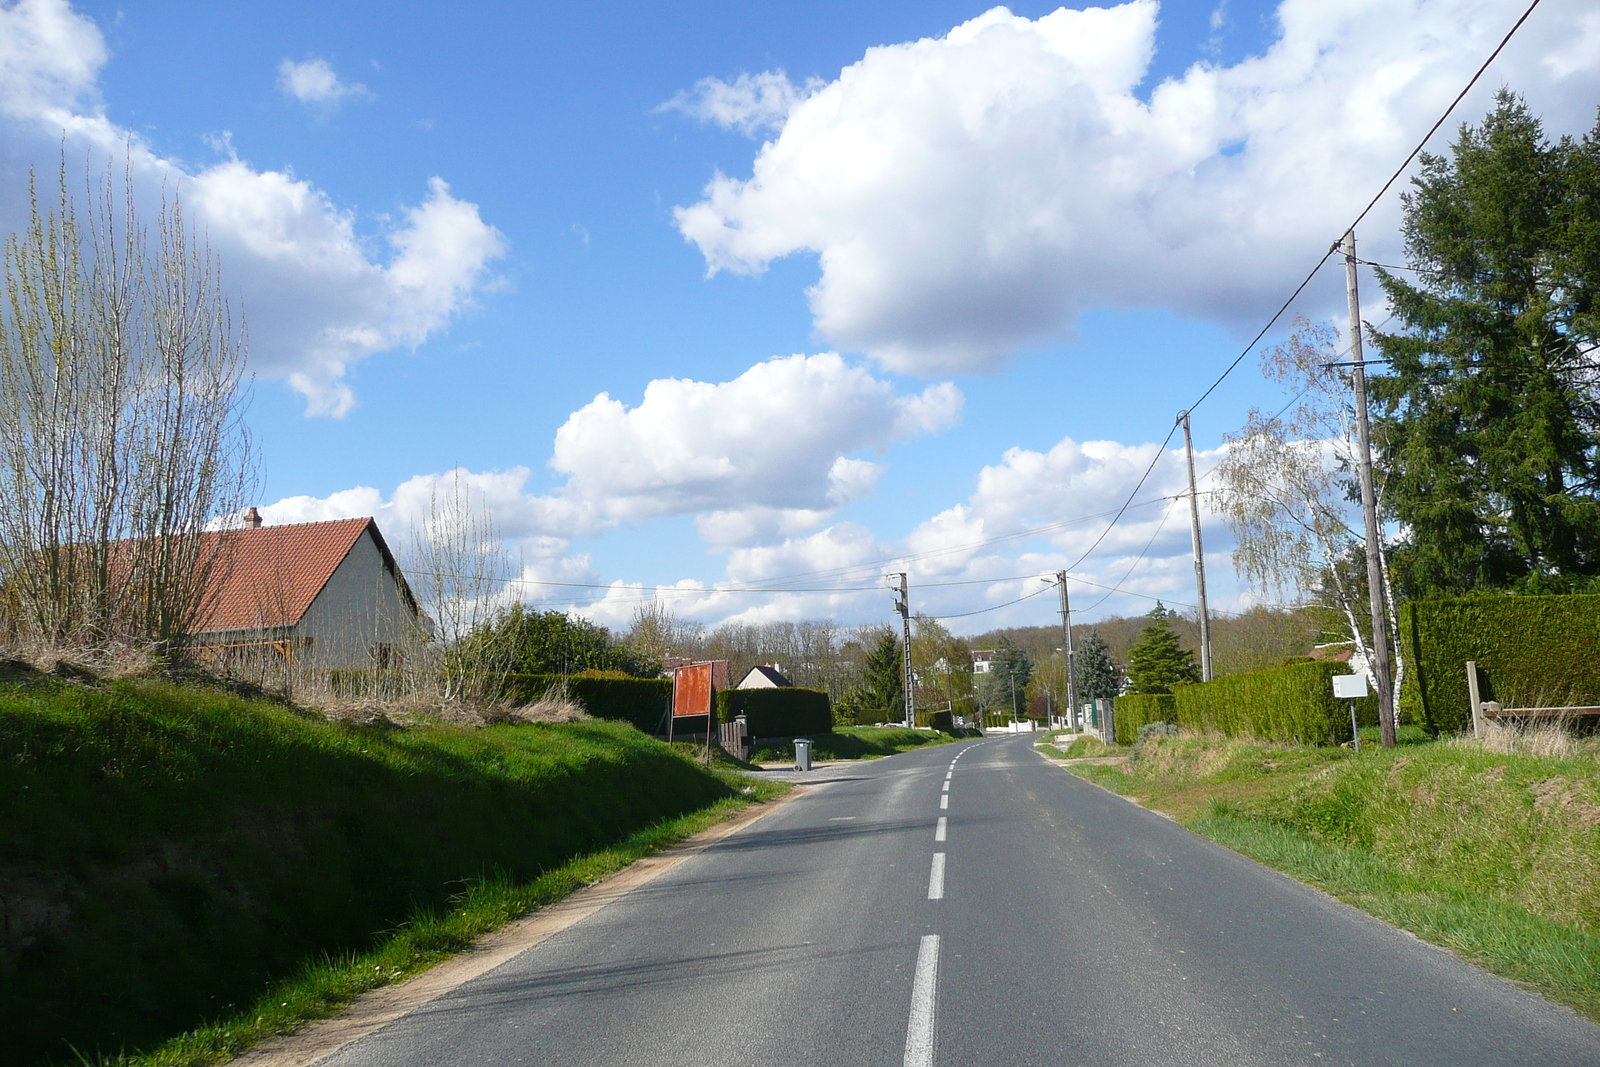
(802,754)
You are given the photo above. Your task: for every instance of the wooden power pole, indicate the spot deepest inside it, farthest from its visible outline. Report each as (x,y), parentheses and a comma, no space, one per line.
(1369,504)
(903,606)
(1199,555)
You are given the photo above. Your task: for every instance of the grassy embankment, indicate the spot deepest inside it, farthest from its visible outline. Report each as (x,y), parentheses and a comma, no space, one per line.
(858,742)
(183,873)
(1493,855)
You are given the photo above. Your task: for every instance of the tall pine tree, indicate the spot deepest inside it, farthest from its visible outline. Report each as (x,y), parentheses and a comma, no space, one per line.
(1489,422)
(1094,673)
(1157,662)
(883,689)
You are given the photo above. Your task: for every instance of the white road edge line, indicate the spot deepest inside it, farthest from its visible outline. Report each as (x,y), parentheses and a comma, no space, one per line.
(924,994)
(940,830)
(936,877)
(944,801)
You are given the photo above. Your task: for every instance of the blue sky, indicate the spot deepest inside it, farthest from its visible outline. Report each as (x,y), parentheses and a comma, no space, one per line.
(1075,259)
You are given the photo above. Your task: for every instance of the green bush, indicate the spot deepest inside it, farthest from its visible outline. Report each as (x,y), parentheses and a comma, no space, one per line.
(1137,709)
(641,701)
(1291,703)
(788,711)
(1531,651)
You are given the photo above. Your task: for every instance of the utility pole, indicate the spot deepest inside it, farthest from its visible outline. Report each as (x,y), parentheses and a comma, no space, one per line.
(1066,646)
(903,606)
(1369,504)
(1199,554)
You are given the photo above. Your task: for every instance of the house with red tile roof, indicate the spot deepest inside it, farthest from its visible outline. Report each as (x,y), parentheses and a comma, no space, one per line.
(311,594)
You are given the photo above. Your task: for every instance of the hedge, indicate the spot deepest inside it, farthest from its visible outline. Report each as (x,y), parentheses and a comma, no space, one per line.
(1531,651)
(641,701)
(787,711)
(1290,703)
(1136,709)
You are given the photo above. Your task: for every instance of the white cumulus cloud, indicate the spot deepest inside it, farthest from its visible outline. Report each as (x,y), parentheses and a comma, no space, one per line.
(751,103)
(313,81)
(968,194)
(771,454)
(768,451)
(1029,514)
(313,292)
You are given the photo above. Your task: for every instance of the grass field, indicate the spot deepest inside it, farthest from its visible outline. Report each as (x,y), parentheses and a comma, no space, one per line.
(174,858)
(1493,855)
(858,742)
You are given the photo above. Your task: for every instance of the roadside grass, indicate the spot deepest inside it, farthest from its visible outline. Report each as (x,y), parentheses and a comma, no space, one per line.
(1492,855)
(1080,748)
(325,987)
(858,742)
(172,855)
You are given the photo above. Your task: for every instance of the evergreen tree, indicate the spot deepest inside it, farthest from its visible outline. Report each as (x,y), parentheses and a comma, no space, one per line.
(1490,416)
(1157,662)
(1006,684)
(882,692)
(1093,671)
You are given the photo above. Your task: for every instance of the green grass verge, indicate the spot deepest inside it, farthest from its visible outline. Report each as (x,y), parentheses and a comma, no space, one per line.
(324,988)
(858,742)
(1495,856)
(168,854)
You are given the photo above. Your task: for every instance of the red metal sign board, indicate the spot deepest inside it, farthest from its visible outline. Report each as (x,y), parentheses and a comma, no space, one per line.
(691,690)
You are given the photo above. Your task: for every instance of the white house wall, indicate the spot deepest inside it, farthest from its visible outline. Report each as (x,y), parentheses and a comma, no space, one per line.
(359,609)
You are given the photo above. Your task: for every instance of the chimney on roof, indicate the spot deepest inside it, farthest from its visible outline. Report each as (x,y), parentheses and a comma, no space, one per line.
(252,518)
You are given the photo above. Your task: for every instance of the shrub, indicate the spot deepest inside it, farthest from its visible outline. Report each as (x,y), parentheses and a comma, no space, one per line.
(1530,651)
(1136,709)
(641,701)
(1291,703)
(789,711)
(943,721)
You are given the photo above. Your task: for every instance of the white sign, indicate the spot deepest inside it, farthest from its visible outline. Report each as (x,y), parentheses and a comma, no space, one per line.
(1349,686)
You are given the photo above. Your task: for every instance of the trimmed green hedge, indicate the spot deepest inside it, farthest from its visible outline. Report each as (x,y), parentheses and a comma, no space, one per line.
(1531,651)
(787,711)
(641,701)
(1291,703)
(1136,709)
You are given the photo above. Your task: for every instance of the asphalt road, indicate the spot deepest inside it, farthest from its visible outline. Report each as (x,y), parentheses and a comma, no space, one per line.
(1048,922)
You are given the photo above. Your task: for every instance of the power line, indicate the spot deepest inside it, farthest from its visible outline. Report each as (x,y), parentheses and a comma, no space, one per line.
(1447,111)
(1232,366)
(1401,169)
(993,607)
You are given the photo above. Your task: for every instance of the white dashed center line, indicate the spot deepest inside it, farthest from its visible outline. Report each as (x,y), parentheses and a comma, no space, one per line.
(944,802)
(946,787)
(936,877)
(924,995)
(939,831)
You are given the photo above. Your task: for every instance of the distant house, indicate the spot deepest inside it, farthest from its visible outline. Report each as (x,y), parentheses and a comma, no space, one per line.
(313,594)
(982,660)
(764,677)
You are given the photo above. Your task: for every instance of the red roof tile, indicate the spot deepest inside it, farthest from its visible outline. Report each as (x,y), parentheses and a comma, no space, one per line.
(268,576)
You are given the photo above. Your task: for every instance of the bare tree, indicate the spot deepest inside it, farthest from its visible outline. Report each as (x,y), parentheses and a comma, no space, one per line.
(1285,485)
(459,568)
(121,429)
(655,632)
